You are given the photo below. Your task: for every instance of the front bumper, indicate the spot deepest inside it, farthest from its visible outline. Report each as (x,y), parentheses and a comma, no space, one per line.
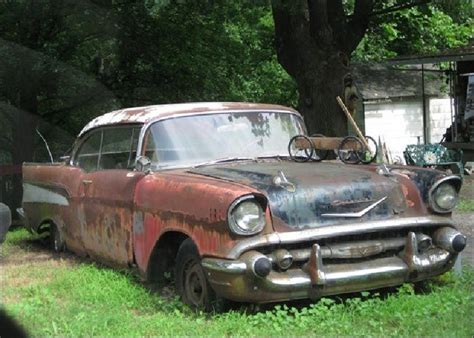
(237,280)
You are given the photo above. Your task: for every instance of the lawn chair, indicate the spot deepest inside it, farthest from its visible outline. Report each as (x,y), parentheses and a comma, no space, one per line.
(434,155)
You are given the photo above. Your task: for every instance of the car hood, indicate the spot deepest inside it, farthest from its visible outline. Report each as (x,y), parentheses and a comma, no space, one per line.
(310,191)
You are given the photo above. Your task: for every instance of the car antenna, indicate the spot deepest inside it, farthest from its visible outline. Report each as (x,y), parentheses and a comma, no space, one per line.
(46,143)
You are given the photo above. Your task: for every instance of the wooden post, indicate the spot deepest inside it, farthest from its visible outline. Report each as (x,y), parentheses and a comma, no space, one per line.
(354,124)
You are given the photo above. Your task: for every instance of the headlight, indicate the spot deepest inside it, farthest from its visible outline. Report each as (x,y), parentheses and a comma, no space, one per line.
(246,216)
(444,194)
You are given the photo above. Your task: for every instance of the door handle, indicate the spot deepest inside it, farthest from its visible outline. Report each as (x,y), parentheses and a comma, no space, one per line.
(86,182)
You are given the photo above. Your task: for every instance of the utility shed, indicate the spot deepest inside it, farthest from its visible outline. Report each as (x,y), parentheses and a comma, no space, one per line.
(394,101)
(460,134)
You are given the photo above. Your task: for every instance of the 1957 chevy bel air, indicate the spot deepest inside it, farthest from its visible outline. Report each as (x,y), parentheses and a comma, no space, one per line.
(208,193)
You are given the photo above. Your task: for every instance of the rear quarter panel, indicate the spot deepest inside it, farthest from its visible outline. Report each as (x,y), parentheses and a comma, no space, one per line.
(50,193)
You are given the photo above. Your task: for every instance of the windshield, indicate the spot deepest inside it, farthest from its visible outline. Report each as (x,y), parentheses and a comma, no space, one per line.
(197,139)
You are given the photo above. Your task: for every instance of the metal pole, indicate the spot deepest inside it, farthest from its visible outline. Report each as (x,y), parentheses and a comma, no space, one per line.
(425,117)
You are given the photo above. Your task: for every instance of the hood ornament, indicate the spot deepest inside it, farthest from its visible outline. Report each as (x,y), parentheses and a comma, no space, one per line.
(356,214)
(281,181)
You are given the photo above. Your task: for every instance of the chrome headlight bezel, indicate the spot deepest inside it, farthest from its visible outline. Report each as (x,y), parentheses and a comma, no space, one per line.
(455,182)
(234,223)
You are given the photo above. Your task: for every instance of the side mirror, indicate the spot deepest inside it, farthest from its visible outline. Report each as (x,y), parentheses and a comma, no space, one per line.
(143,164)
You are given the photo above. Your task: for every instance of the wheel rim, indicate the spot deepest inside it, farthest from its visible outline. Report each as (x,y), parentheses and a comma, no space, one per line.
(365,156)
(349,155)
(300,154)
(194,284)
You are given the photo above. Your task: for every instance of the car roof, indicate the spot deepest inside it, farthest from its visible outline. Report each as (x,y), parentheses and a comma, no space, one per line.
(141,115)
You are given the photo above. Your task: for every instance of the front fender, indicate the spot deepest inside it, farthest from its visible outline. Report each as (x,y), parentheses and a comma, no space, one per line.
(190,204)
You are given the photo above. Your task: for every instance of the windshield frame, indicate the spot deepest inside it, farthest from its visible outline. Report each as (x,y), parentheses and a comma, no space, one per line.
(147,126)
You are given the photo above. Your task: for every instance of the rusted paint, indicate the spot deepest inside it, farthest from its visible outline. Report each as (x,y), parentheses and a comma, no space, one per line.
(146,114)
(190,204)
(317,189)
(97,219)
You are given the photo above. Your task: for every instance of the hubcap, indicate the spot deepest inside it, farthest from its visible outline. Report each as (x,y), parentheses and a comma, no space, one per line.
(194,284)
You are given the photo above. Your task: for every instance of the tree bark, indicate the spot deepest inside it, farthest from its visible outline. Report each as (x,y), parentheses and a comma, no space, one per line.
(314,40)
(318,89)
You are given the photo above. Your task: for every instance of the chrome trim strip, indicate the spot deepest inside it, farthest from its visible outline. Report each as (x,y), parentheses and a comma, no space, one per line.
(220,265)
(356,214)
(334,231)
(38,194)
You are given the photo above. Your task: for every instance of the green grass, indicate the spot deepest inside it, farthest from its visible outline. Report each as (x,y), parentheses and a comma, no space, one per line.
(68,297)
(466,205)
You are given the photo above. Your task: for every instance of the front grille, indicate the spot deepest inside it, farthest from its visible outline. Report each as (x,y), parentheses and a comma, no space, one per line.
(349,249)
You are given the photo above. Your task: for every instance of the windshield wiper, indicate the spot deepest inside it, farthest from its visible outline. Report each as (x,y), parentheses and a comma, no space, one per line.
(223,160)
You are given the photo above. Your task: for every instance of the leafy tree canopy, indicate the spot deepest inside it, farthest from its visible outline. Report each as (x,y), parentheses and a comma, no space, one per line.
(425,29)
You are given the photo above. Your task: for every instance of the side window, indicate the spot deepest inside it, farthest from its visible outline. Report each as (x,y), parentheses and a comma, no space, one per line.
(88,155)
(119,148)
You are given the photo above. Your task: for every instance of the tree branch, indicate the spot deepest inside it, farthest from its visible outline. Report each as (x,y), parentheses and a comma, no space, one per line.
(319,21)
(396,8)
(337,20)
(359,23)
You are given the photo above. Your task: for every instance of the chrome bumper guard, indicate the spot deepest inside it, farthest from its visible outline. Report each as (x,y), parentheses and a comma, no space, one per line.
(315,279)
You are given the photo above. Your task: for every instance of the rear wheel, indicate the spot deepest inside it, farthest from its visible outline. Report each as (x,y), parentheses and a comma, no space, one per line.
(191,281)
(56,241)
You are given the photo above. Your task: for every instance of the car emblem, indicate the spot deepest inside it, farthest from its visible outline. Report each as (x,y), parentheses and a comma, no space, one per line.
(356,214)
(281,181)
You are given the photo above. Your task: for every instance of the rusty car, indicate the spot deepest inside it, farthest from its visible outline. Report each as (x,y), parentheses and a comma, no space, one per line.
(207,194)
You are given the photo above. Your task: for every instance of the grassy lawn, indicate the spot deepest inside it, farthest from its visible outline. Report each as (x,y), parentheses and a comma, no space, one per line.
(66,296)
(466,205)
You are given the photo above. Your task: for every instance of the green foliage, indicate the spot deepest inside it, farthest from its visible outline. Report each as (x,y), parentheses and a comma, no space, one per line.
(67,297)
(415,30)
(72,61)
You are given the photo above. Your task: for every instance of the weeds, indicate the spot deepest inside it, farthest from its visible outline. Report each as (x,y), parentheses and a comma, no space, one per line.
(68,297)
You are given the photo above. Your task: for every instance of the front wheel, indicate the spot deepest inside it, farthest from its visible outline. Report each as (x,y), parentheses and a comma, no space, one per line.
(191,282)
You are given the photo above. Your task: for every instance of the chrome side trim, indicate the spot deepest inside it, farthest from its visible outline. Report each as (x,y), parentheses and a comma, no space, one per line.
(37,194)
(220,265)
(335,231)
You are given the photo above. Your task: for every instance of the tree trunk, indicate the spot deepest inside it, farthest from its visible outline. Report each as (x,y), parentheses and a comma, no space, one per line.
(318,88)
(314,41)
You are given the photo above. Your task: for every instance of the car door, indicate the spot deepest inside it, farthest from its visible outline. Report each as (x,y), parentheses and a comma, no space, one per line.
(107,189)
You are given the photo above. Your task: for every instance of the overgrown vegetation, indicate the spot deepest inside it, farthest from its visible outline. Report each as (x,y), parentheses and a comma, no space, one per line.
(65,296)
